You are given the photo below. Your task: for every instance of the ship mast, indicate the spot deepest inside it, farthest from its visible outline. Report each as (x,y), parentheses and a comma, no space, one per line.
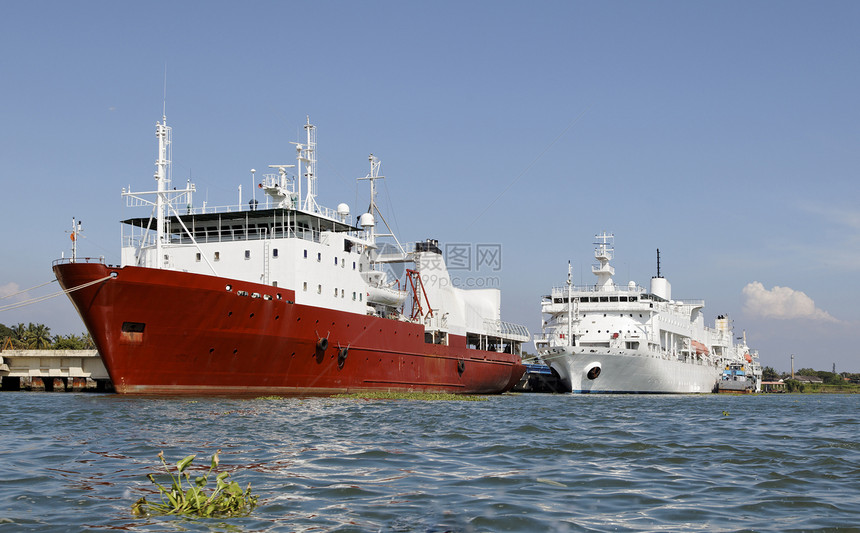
(162,179)
(75,234)
(569,306)
(306,153)
(603,254)
(373,209)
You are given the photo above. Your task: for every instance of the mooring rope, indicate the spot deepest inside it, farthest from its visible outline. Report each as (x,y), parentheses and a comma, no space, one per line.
(38,299)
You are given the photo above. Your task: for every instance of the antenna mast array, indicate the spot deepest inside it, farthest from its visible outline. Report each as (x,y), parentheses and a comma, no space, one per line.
(373,209)
(306,153)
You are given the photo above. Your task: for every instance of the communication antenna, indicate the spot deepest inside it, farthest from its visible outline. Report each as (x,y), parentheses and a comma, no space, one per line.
(658,263)
(164,100)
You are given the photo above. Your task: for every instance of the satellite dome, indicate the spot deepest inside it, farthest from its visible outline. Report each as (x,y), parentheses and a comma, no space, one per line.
(366,220)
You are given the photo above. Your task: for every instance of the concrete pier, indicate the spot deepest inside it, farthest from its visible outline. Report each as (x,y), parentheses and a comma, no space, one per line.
(53,371)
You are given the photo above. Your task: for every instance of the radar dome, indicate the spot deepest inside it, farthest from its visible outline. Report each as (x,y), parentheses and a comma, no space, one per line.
(366,220)
(343,211)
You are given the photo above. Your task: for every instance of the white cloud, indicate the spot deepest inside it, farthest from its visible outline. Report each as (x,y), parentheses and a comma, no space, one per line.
(8,289)
(781,303)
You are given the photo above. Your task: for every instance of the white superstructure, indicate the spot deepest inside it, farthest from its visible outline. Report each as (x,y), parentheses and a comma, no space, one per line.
(288,240)
(611,338)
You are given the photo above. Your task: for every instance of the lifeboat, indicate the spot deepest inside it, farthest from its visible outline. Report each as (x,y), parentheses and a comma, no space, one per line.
(700,348)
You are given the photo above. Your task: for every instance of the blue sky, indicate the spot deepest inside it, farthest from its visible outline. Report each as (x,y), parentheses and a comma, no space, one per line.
(724,133)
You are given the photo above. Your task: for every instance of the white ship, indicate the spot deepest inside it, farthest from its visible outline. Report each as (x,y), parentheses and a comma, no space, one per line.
(626,339)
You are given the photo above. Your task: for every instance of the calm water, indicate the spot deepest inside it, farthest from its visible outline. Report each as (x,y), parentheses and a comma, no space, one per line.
(72,462)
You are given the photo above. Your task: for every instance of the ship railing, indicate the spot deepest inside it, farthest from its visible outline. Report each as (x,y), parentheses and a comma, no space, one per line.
(563,290)
(694,303)
(202,236)
(326,212)
(67,260)
(507,330)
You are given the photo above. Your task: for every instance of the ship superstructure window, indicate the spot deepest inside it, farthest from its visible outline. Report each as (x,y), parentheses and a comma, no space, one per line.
(247,254)
(319,289)
(198,257)
(319,257)
(275,252)
(305,286)
(217,256)
(306,254)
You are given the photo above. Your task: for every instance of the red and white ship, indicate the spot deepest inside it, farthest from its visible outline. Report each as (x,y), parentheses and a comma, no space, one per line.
(283,296)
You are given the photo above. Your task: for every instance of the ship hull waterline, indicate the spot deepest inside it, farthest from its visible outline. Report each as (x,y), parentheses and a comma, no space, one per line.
(168,332)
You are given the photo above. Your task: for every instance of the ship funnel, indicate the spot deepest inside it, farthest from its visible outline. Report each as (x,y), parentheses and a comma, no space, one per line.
(661,287)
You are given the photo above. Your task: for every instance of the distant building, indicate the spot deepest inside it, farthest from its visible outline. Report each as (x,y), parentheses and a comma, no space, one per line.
(809,379)
(773,386)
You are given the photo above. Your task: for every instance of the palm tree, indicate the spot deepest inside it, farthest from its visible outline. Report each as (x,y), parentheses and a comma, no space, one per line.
(38,336)
(19,335)
(88,341)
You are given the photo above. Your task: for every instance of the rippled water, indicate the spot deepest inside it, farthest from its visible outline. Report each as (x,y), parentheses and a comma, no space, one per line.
(72,462)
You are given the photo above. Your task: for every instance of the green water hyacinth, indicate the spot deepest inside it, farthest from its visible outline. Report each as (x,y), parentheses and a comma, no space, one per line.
(228,499)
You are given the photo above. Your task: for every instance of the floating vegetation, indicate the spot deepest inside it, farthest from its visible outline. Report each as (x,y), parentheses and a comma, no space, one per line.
(725,413)
(427,396)
(228,498)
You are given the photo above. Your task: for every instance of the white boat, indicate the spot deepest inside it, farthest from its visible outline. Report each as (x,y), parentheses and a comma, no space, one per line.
(626,339)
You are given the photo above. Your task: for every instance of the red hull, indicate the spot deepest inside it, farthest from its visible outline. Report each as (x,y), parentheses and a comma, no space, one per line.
(168,332)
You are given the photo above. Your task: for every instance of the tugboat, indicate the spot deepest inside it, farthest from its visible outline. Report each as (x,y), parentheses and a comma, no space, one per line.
(283,297)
